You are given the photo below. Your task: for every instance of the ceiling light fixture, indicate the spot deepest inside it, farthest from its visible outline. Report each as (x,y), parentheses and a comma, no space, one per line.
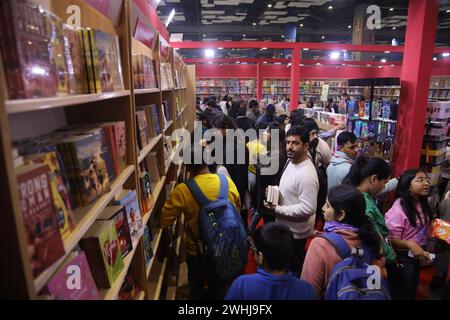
(323,37)
(330,7)
(383,60)
(244,35)
(269,5)
(349,26)
(220,48)
(169,19)
(392,65)
(209,53)
(204,35)
(318,64)
(335,55)
(265,62)
(282,36)
(393,28)
(434,58)
(289,64)
(343,50)
(238,62)
(446,54)
(254,23)
(448,11)
(387,52)
(305,49)
(301,24)
(391,9)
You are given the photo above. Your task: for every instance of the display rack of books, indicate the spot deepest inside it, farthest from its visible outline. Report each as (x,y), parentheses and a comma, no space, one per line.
(387,93)
(276,88)
(315,89)
(81,153)
(436,145)
(244,88)
(439,89)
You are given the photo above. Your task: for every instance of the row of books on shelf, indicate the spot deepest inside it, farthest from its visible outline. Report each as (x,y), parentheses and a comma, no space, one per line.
(276,91)
(43,57)
(277,83)
(147,119)
(440,83)
(321,83)
(387,91)
(166,76)
(439,94)
(99,258)
(144,71)
(180,78)
(225,83)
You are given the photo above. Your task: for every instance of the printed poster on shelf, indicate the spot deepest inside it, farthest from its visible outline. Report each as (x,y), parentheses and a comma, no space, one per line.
(145,34)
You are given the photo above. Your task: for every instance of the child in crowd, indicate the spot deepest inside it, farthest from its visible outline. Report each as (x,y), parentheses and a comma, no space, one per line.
(344,213)
(370,177)
(408,222)
(273,249)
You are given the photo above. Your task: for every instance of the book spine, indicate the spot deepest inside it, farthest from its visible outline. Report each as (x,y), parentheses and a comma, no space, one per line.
(87,61)
(95,61)
(10,52)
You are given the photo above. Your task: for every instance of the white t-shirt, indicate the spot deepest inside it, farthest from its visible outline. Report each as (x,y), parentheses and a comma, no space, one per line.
(299,187)
(223,106)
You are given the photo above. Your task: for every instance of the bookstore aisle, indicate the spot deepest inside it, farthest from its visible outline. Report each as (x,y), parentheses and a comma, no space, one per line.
(87,115)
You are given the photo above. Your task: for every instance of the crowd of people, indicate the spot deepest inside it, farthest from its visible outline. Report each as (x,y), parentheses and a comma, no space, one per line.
(329,203)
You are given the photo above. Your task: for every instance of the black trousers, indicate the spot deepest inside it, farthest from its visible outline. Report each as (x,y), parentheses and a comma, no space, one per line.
(204,282)
(299,257)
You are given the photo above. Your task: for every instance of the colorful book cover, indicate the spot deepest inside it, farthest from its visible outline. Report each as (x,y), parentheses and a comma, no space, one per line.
(119,216)
(148,250)
(364,130)
(129,289)
(103,252)
(26,51)
(128,199)
(61,199)
(58,54)
(143,133)
(146,189)
(108,129)
(110,67)
(121,143)
(91,173)
(155,116)
(167,110)
(357,131)
(44,241)
(74,280)
(74,54)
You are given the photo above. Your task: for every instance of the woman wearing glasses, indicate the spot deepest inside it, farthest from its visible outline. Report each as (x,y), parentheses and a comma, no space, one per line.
(408,222)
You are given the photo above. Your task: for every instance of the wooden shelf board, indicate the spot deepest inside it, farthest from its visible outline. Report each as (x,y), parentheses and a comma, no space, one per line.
(156,193)
(155,244)
(167,89)
(146,91)
(169,124)
(144,152)
(28,105)
(155,287)
(85,217)
(113,292)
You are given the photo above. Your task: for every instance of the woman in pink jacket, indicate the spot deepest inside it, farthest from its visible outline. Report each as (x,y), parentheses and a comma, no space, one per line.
(408,222)
(344,213)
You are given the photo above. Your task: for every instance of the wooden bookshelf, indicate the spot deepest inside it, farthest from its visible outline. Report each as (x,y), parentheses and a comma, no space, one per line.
(16,277)
(29,105)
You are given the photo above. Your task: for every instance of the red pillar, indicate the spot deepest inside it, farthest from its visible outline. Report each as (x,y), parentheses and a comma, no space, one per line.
(415,81)
(295,79)
(259,81)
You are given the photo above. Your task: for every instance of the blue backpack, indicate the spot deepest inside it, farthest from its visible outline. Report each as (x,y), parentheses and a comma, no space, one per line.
(349,277)
(222,230)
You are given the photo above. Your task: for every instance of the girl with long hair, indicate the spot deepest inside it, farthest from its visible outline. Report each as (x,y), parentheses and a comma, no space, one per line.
(408,222)
(344,213)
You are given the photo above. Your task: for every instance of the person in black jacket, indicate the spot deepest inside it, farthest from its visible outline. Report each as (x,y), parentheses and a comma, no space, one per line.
(262,180)
(238,171)
(242,121)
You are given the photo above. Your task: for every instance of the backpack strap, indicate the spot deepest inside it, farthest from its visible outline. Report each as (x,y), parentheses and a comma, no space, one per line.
(339,244)
(223,193)
(197,193)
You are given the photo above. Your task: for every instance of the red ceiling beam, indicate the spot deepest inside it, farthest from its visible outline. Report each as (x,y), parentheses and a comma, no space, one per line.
(291,45)
(286,61)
